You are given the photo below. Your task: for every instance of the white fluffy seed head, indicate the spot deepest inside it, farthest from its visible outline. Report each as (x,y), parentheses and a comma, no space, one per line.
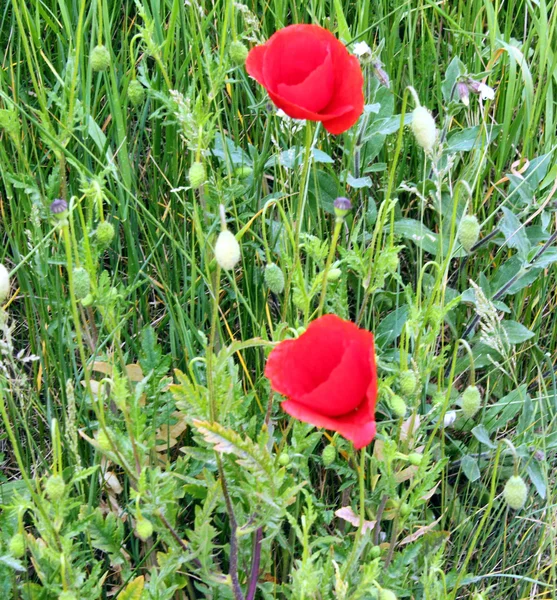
(4,283)
(227,250)
(423,126)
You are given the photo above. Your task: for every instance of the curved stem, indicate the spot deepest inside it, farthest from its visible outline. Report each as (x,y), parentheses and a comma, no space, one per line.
(332,250)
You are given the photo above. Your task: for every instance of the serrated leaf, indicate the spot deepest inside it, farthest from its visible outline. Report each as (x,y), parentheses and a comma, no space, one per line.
(133,590)
(470,468)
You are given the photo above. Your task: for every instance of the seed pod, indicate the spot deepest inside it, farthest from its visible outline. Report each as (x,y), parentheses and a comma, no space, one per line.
(55,488)
(407,382)
(143,528)
(329,455)
(197,175)
(227,250)
(423,126)
(4,283)
(398,406)
(515,492)
(334,274)
(81,283)
(238,52)
(468,232)
(104,234)
(274,278)
(284,459)
(471,401)
(136,92)
(100,58)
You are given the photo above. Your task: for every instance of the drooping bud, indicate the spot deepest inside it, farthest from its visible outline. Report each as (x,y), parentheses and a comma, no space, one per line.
(381,74)
(55,487)
(197,175)
(398,406)
(449,418)
(59,208)
(468,231)
(515,492)
(423,126)
(342,207)
(471,401)
(238,52)
(136,93)
(415,458)
(274,278)
(143,528)
(329,455)
(407,382)
(4,283)
(17,545)
(104,234)
(227,250)
(81,283)
(100,58)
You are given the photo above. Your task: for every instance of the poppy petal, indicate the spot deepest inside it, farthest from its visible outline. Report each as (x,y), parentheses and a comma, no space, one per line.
(254,63)
(358,427)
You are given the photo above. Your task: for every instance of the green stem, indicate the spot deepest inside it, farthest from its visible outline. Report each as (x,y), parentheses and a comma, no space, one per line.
(332,250)
(358,537)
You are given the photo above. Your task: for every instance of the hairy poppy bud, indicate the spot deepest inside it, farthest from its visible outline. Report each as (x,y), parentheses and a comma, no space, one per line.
(143,528)
(468,231)
(243,172)
(329,455)
(238,52)
(284,459)
(375,552)
(81,283)
(423,126)
(274,278)
(136,92)
(471,401)
(100,58)
(59,208)
(17,545)
(515,492)
(197,175)
(415,459)
(342,207)
(104,234)
(55,487)
(4,283)
(227,250)
(387,595)
(334,274)
(398,406)
(408,382)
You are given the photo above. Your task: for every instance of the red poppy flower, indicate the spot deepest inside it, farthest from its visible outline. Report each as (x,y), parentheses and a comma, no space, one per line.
(329,377)
(310,75)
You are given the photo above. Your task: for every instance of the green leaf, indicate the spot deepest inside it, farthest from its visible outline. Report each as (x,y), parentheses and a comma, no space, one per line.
(514,232)
(482,435)
(391,326)
(343,30)
(470,468)
(516,333)
(455,69)
(422,236)
(133,590)
(537,478)
(472,138)
(499,414)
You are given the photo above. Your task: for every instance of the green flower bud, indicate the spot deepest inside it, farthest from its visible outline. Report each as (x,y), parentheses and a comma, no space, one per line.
(423,126)
(67,595)
(55,488)
(471,401)
(468,232)
(398,406)
(405,509)
(243,172)
(329,455)
(17,545)
(197,175)
(407,382)
(515,492)
(104,234)
(100,58)
(342,207)
(274,278)
(415,458)
(284,459)
(334,274)
(387,595)
(238,52)
(375,552)
(81,283)
(136,92)
(143,528)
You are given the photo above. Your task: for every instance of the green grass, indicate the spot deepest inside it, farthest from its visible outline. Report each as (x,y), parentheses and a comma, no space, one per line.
(78,137)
